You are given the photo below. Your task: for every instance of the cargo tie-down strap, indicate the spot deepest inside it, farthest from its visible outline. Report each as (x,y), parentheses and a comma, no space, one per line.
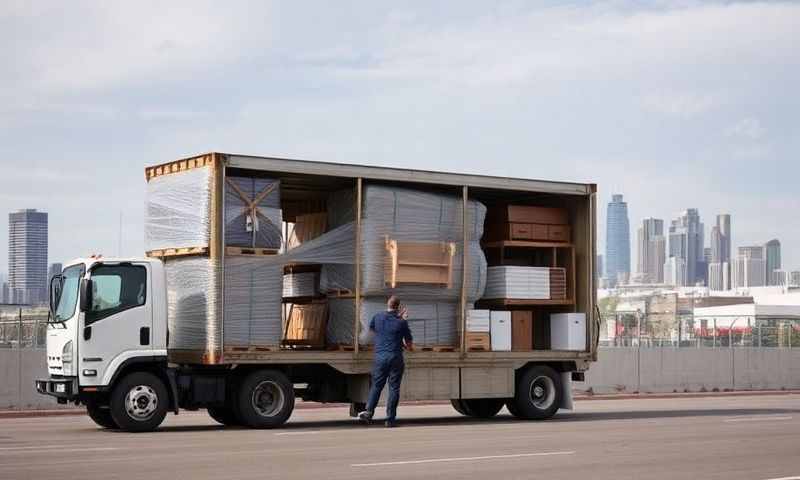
(251,210)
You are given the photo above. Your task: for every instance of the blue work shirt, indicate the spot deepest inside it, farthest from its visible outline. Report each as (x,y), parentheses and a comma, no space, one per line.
(390,331)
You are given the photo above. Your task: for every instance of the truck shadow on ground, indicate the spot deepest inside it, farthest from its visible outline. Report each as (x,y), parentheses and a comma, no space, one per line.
(502,418)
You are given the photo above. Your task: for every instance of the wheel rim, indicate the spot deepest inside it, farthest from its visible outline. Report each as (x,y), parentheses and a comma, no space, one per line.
(542,392)
(141,402)
(268,398)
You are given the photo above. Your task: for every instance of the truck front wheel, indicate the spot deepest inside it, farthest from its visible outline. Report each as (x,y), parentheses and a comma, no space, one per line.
(538,394)
(265,400)
(101,416)
(139,402)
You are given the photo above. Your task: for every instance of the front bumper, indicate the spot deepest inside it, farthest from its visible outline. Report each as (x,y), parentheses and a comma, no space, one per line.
(62,388)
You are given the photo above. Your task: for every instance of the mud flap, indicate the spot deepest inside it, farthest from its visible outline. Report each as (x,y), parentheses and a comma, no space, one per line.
(566,391)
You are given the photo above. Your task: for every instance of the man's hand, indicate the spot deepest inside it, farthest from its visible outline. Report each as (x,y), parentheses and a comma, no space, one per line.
(403,312)
(409,346)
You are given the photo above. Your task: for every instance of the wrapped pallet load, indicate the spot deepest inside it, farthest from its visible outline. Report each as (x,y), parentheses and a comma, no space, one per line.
(412,247)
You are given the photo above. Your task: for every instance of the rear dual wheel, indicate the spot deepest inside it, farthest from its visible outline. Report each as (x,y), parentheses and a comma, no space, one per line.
(265,399)
(538,394)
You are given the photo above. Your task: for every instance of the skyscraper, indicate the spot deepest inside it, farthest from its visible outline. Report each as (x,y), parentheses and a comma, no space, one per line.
(675,271)
(772,250)
(599,272)
(749,267)
(651,250)
(686,242)
(27,255)
(719,268)
(618,240)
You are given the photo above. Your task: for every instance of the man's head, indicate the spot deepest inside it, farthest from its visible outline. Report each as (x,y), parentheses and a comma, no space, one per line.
(393,304)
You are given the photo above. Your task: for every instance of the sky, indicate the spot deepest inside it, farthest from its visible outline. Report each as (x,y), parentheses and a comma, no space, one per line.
(673,104)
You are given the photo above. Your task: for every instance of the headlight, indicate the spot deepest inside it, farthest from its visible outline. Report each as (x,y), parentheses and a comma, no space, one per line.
(66,352)
(66,359)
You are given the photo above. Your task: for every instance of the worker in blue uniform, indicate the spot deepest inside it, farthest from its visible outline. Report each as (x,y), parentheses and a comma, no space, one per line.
(392,334)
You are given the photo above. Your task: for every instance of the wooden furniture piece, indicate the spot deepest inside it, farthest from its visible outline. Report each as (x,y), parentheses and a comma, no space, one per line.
(306,325)
(478,342)
(419,262)
(307,227)
(521,330)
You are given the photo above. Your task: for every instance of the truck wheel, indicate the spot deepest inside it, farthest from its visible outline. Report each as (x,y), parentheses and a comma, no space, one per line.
(512,408)
(459,406)
(101,416)
(139,402)
(223,415)
(266,399)
(483,407)
(538,393)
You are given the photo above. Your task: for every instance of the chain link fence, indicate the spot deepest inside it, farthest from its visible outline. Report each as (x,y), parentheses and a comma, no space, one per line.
(23,327)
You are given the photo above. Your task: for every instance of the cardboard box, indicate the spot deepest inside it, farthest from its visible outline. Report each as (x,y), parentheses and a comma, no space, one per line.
(531,214)
(521,330)
(568,331)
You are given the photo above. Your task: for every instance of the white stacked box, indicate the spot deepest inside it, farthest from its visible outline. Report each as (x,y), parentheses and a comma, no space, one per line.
(501,331)
(303,284)
(478,321)
(568,331)
(518,283)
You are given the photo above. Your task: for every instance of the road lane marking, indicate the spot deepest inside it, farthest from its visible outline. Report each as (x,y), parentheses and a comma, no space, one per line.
(461,459)
(24,450)
(784,478)
(764,418)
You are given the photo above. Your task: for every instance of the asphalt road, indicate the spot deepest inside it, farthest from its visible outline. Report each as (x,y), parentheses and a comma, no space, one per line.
(728,438)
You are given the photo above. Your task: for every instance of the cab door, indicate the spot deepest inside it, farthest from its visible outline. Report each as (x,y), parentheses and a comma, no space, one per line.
(118,321)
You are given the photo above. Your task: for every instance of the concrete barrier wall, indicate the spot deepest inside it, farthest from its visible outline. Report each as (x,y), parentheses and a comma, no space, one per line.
(665,370)
(618,370)
(18,370)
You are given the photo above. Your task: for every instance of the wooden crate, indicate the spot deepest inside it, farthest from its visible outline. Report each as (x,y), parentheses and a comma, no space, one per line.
(419,262)
(478,342)
(530,214)
(306,325)
(521,330)
(307,227)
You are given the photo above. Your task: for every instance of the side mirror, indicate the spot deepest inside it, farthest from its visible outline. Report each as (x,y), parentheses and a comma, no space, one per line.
(86,294)
(55,293)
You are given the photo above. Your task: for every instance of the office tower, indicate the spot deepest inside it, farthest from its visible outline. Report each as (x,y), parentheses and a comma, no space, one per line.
(719,268)
(772,260)
(749,268)
(55,269)
(686,242)
(794,279)
(5,293)
(27,256)
(780,278)
(675,271)
(618,242)
(651,250)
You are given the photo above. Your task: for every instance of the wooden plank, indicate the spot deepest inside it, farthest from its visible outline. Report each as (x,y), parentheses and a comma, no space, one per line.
(257,252)
(464,263)
(524,243)
(180,165)
(177,252)
(356,322)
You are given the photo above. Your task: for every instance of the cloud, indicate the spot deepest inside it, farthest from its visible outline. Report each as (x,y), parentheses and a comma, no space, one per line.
(682,104)
(747,129)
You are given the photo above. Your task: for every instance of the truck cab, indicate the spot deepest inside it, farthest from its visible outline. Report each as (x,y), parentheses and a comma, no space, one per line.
(106,316)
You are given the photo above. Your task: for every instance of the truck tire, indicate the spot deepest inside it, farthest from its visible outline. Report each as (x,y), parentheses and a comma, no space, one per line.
(459,406)
(265,400)
(101,416)
(538,393)
(512,408)
(224,416)
(483,407)
(139,402)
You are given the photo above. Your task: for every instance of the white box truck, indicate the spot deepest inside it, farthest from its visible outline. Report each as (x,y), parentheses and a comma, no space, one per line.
(203,320)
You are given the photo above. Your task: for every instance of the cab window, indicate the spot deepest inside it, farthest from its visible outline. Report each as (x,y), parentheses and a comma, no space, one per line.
(116,288)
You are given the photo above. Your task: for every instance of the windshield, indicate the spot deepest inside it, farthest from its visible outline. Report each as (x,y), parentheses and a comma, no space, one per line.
(69,293)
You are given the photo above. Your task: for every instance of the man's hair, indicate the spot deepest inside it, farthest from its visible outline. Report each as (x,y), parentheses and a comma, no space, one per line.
(393,303)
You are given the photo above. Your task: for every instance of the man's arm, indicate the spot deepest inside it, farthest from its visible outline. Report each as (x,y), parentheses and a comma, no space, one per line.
(372,324)
(407,338)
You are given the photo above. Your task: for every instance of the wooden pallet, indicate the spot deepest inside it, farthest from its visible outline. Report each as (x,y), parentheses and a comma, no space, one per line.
(250,251)
(177,252)
(436,348)
(341,347)
(180,165)
(252,349)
